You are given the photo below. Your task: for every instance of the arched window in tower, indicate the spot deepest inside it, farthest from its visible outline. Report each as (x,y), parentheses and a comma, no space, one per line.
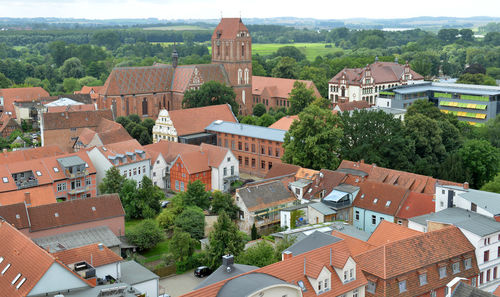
(247,76)
(164,101)
(144,106)
(343,92)
(242,49)
(240,76)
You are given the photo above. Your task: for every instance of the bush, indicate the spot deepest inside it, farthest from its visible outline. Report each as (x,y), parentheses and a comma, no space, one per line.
(145,235)
(196,260)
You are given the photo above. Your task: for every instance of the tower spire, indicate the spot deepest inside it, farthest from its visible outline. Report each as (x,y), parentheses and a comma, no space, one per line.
(175,57)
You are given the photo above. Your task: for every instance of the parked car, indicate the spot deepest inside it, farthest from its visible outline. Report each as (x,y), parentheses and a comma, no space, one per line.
(164,204)
(202,271)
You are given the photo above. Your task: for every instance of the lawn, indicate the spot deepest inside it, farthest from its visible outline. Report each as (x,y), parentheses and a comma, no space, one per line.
(131,224)
(155,253)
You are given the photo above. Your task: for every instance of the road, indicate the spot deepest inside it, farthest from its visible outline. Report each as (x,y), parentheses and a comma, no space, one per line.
(180,284)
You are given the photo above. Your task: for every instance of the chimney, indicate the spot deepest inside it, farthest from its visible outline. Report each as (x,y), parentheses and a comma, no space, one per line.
(466,185)
(27,199)
(362,161)
(228,261)
(100,246)
(5,150)
(286,255)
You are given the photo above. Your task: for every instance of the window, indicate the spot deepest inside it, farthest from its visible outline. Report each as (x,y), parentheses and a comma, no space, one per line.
(135,171)
(130,172)
(326,284)
(442,272)
(319,285)
(5,180)
(433,293)
(177,185)
(355,293)
(481,277)
(351,273)
(473,282)
(38,173)
(486,241)
(488,275)
(232,144)
(375,201)
(357,215)
(253,148)
(456,267)
(229,159)
(88,181)
(270,165)
(269,151)
(345,275)
(240,160)
(139,170)
(56,169)
(246,147)
(72,129)
(232,170)
(239,145)
(263,164)
(495,272)
(61,187)
(498,252)
(225,171)
(182,186)
(262,149)
(143,169)
(388,203)
(371,287)
(246,161)
(468,263)
(402,286)
(253,162)
(423,279)
(277,152)
(374,220)
(486,256)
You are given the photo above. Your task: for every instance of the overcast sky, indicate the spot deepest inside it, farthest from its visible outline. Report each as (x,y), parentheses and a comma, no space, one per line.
(212,9)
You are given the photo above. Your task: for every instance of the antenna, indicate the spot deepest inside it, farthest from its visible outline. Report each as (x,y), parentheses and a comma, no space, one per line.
(221,14)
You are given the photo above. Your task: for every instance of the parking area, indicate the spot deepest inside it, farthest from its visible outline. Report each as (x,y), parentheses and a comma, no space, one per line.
(180,284)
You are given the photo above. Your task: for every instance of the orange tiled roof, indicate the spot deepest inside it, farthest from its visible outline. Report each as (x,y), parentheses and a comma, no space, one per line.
(30,154)
(195,162)
(91,254)
(74,119)
(81,107)
(229,28)
(20,95)
(183,122)
(352,105)
(25,258)
(38,196)
(284,123)
(122,148)
(393,259)
(356,246)
(381,72)
(215,154)
(282,169)
(417,204)
(169,149)
(274,87)
(292,270)
(380,197)
(387,232)
(326,180)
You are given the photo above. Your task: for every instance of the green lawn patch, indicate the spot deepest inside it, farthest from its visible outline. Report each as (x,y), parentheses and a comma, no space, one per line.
(155,253)
(178,28)
(131,223)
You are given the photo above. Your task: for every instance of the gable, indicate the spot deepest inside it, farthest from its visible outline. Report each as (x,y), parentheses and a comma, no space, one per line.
(57,279)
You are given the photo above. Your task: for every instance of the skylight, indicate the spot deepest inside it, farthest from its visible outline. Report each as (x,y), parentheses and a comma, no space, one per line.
(104,149)
(375,201)
(388,203)
(1,259)
(362,196)
(5,269)
(56,169)
(301,285)
(5,180)
(20,283)
(86,165)
(38,173)
(15,279)
(56,214)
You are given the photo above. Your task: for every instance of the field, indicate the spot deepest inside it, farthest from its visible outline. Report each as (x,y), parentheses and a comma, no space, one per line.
(178,28)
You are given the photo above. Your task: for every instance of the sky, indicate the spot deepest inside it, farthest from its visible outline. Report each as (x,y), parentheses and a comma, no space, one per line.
(213,9)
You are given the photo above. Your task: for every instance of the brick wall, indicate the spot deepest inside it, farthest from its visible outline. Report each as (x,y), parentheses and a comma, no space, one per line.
(179,174)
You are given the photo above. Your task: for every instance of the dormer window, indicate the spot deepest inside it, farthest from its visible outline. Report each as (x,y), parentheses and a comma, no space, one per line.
(388,203)
(375,201)
(56,169)
(5,180)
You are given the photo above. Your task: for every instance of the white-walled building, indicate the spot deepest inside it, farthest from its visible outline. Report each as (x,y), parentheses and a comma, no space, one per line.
(364,84)
(128,157)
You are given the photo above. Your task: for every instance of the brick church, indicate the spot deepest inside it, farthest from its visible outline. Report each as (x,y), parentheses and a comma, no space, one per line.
(147,90)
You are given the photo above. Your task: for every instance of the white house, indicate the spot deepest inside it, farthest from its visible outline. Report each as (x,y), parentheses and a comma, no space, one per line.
(127,156)
(140,278)
(476,214)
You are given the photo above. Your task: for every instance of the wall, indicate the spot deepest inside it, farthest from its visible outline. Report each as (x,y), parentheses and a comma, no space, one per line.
(279,291)
(179,174)
(112,269)
(149,287)
(100,163)
(314,216)
(164,128)
(158,172)
(365,219)
(417,226)
(145,166)
(57,279)
(325,274)
(117,226)
(218,173)
(246,223)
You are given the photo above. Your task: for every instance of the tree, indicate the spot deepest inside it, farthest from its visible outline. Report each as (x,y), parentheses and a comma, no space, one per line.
(467,34)
(89,81)
(292,52)
(224,239)
(476,79)
(196,195)
(191,220)
(300,97)
(492,131)
(481,159)
(266,120)
(112,181)
(167,217)
(492,186)
(4,81)
(259,109)
(150,196)
(71,84)
(258,69)
(72,67)
(224,202)
(182,245)
(283,244)
(254,233)
(314,140)
(130,200)
(260,255)
(285,68)
(210,93)
(294,217)
(376,137)
(145,235)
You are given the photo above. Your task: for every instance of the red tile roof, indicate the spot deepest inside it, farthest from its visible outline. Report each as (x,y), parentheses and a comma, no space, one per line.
(30,154)
(352,105)
(81,107)
(74,119)
(382,72)
(123,147)
(91,254)
(25,258)
(216,154)
(356,246)
(397,232)
(394,258)
(20,95)
(282,169)
(169,149)
(184,123)
(229,28)
(417,204)
(325,181)
(380,197)
(195,162)
(38,196)
(273,87)
(497,291)
(284,123)
(292,270)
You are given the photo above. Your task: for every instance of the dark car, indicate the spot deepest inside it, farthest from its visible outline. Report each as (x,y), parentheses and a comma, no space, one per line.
(202,271)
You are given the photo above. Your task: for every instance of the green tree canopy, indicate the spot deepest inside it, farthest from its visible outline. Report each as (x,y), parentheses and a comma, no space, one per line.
(4,81)
(492,186)
(259,109)
(196,195)
(71,84)
(191,220)
(72,67)
(313,141)
(476,79)
(145,235)
(292,52)
(224,239)
(300,97)
(260,255)
(112,181)
(224,202)
(182,245)
(210,93)
(285,68)
(481,160)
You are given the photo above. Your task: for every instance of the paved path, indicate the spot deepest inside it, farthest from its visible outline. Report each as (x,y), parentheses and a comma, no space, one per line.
(180,284)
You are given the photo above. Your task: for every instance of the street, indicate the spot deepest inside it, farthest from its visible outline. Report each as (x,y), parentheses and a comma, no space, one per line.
(180,284)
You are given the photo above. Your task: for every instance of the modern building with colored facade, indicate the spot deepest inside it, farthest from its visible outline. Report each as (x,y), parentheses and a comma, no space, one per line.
(257,148)
(474,104)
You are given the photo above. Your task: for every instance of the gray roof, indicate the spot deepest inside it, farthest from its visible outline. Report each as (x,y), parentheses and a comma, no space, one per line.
(134,273)
(262,194)
(295,207)
(313,241)
(448,87)
(301,233)
(486,200)
(121,289)
(301,183)
(464,290)
(353,171)
(71,161)
(322,208)
(69,240)
(388,110)
(464,219)
(346,188)
(247,130)
(247,284)
(350,230)
(221,274)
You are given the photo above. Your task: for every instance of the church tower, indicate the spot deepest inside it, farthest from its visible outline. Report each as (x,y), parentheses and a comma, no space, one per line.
(232,47)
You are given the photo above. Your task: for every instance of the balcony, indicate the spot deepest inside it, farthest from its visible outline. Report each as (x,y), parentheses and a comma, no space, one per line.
(76,174)
(27,184)
(79,190)
(337,205)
